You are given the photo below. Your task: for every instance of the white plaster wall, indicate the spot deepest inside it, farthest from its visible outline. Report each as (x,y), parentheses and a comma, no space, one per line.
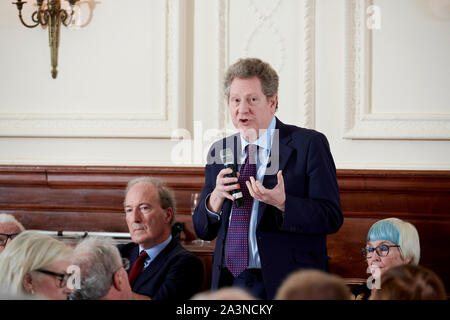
(384,140)
(132,79)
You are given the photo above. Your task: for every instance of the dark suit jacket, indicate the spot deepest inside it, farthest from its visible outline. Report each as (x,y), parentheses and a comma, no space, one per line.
(294,239)
(174,274)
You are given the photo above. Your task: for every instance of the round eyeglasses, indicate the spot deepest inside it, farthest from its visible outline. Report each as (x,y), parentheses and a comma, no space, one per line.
(5,236)
(382,250)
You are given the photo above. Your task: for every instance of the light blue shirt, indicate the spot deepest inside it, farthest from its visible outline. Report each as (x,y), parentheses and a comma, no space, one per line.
(265,144)
(154,251)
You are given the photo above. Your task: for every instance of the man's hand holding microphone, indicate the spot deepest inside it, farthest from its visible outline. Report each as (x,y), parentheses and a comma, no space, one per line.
(227,185)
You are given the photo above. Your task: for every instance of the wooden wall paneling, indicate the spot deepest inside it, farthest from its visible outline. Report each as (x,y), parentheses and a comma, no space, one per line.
(203,250)
(71,221)
(91,199)
(344,248)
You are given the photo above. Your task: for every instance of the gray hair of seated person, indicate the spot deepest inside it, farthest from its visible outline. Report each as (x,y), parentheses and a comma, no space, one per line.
(9,218)
(98,259)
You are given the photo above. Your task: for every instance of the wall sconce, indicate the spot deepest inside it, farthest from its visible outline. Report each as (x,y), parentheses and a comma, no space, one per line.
(49,14)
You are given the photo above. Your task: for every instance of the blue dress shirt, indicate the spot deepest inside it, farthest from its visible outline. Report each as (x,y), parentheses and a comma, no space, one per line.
(154,251)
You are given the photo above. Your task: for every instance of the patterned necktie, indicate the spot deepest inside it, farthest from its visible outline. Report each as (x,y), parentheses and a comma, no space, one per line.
(137,268)
(237,239)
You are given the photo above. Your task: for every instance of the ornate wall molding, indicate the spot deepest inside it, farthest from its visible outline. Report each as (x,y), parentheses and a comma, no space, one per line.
(264,18)
(158,122)
(222,40)
(309,65)
(360,121)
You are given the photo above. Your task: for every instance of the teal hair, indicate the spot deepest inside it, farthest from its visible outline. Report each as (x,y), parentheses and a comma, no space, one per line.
(384,230)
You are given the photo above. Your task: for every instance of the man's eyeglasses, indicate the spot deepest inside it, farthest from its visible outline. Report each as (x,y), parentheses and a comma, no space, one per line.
(5,236)
(381,250)
(60,277)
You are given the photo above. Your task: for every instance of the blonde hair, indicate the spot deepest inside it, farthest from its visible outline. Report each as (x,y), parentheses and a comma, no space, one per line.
(225,293)
(401,233)
(9,218)
(313,285)
(29,251)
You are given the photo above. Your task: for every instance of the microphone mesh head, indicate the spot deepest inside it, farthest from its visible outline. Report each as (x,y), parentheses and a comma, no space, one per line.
(227,156)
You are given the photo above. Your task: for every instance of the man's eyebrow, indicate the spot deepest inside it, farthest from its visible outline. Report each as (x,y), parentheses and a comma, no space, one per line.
(144,203)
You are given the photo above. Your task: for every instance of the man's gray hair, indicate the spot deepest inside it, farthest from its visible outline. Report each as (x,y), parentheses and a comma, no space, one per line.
(98,259)
(9,218)
(249,68)
(166,196)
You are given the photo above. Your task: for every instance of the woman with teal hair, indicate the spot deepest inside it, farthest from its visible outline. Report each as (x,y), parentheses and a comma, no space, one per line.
(390,242)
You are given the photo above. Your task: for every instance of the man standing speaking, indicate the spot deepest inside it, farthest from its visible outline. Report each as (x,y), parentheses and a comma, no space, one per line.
(272,216)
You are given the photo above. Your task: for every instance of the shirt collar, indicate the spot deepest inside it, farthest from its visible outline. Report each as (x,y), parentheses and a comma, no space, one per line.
(154,251)
(264,141)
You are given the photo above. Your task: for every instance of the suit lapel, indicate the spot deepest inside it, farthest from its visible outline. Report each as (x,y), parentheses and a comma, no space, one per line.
(280,153)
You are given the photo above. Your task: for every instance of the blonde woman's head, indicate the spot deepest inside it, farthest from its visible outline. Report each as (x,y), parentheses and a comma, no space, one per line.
(35,263)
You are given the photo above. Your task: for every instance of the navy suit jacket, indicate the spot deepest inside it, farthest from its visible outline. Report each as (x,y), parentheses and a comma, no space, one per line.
(295,239)
(176,273)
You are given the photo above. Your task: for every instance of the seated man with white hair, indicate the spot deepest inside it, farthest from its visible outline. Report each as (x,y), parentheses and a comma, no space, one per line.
(9,229)
(102,273)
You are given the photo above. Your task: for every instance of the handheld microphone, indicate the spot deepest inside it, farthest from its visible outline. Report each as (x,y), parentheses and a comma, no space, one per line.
(227,158)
